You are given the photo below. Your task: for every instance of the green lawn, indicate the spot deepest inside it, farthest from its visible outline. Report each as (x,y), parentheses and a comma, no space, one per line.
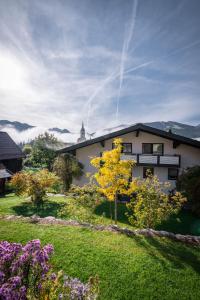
(128,268)
(11,204)
(184,222)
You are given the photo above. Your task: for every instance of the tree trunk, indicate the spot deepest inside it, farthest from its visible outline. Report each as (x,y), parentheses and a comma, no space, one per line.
(116,209)
(110,210)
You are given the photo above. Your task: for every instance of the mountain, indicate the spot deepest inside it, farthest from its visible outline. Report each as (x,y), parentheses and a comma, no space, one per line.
(23,132)
(177,128)
(16,125)
(55,129)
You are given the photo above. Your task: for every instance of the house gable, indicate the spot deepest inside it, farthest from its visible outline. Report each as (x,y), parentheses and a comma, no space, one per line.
(8,148)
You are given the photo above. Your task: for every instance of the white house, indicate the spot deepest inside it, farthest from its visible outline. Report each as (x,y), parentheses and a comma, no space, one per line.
(164,153)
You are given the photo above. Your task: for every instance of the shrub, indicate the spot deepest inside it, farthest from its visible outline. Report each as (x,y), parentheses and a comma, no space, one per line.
(25,273)
(82,203)
(58,286)
(87,196)
(34,185)
(151,204)
(189,184)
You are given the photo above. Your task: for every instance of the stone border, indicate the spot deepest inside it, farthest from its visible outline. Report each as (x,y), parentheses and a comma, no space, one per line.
(187,239)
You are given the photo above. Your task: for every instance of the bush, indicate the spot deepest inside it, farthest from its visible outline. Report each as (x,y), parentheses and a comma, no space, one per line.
(25,273)
(57,286)
(151,204)
(189,184)
(34,184)
(87,196)
(82,203)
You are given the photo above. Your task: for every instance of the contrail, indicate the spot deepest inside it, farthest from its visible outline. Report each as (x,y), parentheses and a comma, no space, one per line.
(162,57)
(92,97)
(125,49)
(115,74)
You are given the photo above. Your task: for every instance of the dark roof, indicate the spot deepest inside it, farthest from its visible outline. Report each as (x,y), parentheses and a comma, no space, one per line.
(137,127)
(8,148)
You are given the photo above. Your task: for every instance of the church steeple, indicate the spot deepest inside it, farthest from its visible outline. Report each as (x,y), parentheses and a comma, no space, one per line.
(82,137)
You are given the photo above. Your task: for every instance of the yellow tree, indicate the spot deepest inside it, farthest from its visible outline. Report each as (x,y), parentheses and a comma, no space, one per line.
(113,174)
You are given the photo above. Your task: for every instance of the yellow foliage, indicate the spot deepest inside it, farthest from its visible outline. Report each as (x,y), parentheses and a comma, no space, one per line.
(113,174)
(34,184)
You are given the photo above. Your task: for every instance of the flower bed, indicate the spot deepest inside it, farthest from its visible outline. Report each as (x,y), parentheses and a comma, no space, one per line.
(25,273)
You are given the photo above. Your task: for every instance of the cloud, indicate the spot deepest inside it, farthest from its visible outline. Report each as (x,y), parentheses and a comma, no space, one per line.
(30,134)
(62,62)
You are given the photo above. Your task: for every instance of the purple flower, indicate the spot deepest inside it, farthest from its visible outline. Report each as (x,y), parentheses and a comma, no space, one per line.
(53,276)
(22,267)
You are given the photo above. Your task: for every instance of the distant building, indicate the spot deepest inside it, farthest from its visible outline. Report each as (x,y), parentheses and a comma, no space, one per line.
(10,159)
(82,137)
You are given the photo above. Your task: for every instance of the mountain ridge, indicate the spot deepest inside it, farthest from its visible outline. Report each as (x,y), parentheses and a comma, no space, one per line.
(191,131)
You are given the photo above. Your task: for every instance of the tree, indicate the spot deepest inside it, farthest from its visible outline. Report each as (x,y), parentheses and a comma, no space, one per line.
(67,167)
(34,184)
(189,184)
(151,204)
(113,174)
(27,149)
(43,151)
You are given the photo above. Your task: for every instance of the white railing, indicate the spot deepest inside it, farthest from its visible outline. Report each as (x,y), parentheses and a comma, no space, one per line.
(169,160)
(129,157)
(148,159)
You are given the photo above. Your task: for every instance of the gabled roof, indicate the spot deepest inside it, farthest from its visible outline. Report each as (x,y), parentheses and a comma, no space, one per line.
(138,127)
(8,148)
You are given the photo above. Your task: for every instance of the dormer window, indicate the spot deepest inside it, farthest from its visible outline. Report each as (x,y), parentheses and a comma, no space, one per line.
(153,148)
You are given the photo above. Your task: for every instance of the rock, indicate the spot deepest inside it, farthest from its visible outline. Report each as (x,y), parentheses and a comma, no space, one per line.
(148,232)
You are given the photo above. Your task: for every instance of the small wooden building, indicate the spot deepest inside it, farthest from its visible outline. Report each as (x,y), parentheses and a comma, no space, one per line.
(10,158)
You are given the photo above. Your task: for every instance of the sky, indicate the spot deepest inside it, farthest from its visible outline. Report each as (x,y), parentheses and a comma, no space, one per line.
(104,62)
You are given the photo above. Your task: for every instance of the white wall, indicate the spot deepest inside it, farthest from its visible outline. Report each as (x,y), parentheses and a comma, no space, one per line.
(190,156)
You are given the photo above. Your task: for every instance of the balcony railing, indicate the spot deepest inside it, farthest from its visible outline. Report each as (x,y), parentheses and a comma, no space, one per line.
(155,160)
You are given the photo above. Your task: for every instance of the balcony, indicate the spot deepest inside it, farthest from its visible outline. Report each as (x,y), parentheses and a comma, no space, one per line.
(154,160)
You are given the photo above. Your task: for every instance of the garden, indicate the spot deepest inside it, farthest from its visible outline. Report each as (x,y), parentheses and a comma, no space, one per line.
(76,261)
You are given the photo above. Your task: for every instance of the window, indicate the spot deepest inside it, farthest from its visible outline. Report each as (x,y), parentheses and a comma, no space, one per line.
(172,173)
(147,169)
(150,148)
(147,148)
(158,149)
(126,148)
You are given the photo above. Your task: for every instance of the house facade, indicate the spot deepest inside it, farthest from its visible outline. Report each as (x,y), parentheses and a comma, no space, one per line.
(164,153)
(10,159)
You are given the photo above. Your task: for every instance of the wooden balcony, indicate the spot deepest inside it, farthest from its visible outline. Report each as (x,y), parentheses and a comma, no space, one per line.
(154,160)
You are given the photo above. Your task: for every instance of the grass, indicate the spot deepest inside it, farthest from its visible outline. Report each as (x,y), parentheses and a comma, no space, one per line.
(184,222)
(128,268)
(12,204)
